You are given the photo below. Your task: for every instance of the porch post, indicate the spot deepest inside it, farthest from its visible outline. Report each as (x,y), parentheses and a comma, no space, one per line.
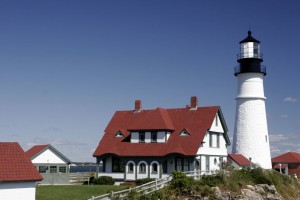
(97,167)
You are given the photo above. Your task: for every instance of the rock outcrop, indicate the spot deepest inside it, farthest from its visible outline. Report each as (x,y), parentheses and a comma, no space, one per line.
(256,192)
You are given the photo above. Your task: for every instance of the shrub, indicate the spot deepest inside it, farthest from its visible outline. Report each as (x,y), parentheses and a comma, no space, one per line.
(212,180)
(144,181)
(104,180)
(205,191)
(167,193)
(237,179)
(133,195)
(259,176)
(180,181)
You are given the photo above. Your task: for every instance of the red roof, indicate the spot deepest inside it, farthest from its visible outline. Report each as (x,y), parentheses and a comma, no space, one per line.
(239,159)
(197,122)
(14,165)
(34,150)
(290,157)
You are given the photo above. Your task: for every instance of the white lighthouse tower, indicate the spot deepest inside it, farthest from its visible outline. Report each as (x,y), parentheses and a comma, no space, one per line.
(251,130)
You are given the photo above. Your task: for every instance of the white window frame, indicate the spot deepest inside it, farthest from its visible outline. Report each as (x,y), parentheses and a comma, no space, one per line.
(140,171)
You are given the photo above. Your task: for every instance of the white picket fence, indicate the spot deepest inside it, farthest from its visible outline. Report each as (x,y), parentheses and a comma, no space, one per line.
(142,189)
(148,187)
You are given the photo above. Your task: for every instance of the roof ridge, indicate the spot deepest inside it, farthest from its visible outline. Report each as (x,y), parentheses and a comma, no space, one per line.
(166,118)
(160,108)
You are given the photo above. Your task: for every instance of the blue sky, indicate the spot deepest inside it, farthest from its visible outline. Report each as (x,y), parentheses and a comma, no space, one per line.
(67,66)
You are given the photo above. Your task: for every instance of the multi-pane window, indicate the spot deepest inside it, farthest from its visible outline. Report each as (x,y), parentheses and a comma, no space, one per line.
(62,169)
(218,140)
(118,165)
(182,164)
(185,165)
(210,140)
(154,168)
(142,137)
(178,164)
(142,168)
(207,163)
(214,140)
(165,167)
(53,169)
(130,168)
(42,169)
(153,136)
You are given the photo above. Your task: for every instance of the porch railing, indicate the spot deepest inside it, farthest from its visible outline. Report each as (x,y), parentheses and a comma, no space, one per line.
(149,187)
(142,189)
(114,175)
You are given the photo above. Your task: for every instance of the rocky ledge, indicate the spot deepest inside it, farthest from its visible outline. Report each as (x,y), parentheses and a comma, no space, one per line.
(256,192)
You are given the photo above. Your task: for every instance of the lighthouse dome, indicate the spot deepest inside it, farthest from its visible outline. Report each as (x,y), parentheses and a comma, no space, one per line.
(249,38)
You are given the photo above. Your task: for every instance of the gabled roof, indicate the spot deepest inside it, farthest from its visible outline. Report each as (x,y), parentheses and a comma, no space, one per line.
(239,159)
(35,151)
(14,165)
(197,122)
(289,157)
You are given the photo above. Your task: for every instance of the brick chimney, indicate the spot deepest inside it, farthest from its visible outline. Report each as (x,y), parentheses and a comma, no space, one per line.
(137,106)
(194,103)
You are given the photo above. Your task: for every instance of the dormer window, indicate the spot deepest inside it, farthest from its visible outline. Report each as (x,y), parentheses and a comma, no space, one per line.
(153,136)
(184,133)
(119,134)
(142,137)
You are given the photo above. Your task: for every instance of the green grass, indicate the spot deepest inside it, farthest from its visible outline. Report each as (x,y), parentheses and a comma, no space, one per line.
(73,192)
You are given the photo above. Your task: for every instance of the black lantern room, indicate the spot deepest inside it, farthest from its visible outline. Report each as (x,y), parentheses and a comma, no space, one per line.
(250,57)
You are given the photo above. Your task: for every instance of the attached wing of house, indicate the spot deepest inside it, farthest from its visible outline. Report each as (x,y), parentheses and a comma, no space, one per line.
(17,174)
(239,161)
(288,163)
(137,141)
(51,164)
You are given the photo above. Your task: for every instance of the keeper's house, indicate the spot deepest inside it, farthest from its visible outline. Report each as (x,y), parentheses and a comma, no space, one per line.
(18,175)
(51,164)
(152,143)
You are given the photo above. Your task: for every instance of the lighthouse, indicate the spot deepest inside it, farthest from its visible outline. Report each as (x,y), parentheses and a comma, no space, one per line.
(251,137)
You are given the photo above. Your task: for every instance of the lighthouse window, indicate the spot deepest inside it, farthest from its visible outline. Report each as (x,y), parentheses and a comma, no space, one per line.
(266,138)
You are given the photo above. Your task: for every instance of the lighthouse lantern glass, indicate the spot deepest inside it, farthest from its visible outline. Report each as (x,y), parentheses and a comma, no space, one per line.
(250,50)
